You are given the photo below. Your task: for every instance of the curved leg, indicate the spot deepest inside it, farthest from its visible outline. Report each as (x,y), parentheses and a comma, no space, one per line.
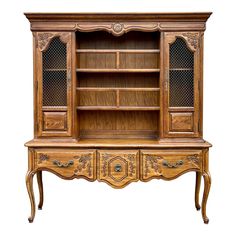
(207,186)
(40,185)
(197,190)
(29,185)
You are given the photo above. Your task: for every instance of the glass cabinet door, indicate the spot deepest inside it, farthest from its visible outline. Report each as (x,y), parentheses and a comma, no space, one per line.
(181,84)
(54,78)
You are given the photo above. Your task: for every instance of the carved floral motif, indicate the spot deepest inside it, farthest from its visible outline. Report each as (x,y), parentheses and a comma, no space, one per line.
(194,160)
(132,166)
(44,39)
(42,158)
(104,164)
(192,39)
(152,162)
(84,163)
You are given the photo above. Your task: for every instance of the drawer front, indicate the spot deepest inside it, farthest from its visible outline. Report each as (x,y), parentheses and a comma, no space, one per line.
(118,167)
(169,164)
(68,163)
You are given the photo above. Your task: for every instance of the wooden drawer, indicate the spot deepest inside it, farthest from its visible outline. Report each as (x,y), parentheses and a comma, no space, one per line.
(68,163)
(118,167)
(169,164)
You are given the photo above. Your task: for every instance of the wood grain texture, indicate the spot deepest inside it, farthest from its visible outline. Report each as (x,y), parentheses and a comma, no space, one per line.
(54,121)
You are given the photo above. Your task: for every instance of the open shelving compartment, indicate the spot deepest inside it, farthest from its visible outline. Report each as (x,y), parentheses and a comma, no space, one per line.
(118,85)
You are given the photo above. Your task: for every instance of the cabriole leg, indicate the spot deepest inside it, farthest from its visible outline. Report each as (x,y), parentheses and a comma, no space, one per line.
(207,185)
(197,190)
(29,185)
(40,185)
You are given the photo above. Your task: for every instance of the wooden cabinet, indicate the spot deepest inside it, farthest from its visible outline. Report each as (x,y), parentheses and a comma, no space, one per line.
(118,98)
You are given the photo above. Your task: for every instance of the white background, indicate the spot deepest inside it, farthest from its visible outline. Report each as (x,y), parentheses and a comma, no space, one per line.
(82,208)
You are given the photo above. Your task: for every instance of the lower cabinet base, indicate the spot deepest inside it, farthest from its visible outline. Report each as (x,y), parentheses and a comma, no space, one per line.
(118,168)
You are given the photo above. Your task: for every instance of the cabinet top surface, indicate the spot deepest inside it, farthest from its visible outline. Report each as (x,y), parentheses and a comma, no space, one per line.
(118,143)
(160,16)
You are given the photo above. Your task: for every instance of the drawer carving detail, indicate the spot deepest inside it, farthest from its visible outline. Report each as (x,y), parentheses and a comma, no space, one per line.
(85,163)
(152,162)
(168,164)
(118,168)
(42,157)
(69,163)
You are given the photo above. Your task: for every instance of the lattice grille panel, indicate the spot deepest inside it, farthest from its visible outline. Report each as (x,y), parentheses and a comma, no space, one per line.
(55,56)
(180,55)
(181,75)
(54,88)
(181,89)
(55,74)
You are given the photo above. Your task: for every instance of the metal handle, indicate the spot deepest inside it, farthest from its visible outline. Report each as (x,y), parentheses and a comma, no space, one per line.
(174,165)
(63,165)
(117,168)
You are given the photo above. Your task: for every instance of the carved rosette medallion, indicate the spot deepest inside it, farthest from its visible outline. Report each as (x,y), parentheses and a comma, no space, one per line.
(117,27)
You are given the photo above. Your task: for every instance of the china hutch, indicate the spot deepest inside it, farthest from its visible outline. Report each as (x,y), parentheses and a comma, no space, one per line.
(118,98)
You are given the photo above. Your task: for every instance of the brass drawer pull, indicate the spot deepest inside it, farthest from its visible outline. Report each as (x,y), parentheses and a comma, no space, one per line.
(175,165)
(65,165)
(118,168)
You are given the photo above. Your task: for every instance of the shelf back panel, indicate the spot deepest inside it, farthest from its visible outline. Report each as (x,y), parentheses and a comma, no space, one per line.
(118,80)
(118,124)
(130,40)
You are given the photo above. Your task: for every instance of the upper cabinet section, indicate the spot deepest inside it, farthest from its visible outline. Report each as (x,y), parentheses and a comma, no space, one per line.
(118,23)
(53,76)
(182,67)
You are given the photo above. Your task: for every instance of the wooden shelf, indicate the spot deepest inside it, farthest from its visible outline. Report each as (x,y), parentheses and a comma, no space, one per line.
(54,69)
(115,89)
(118,50)
(54,108)
(118,70)
(181,69)
(120,108)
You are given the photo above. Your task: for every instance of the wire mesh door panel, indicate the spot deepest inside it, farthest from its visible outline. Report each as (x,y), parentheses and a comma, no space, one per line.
(55,74)
(54,88)
(181,75)
(181,91)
